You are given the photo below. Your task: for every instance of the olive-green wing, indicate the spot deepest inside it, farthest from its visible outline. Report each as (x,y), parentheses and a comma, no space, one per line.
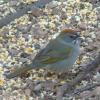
(50,54)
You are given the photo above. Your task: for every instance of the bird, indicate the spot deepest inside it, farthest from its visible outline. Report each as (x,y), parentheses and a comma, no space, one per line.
(59,55)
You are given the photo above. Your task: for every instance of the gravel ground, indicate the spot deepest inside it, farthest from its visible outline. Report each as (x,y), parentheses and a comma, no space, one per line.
(24,37)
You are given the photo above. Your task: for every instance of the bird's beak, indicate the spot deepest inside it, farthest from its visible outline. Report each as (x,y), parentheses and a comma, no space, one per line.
(81,39)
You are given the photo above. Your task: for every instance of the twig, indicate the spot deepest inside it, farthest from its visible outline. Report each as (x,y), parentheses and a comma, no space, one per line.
(20,12)
(87,69)
(88,87)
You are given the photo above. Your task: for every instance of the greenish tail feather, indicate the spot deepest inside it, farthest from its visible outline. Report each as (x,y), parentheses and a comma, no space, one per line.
(19,71)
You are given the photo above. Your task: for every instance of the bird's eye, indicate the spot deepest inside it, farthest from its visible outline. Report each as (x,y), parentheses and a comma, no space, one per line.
(72,36)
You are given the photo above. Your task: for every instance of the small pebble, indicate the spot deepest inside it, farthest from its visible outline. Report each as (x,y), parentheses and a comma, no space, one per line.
(89,40)
(13,3)
(38,87)
(36,12)
(13,52)
(52,4)
(23,60)
(37,46)
(97,77)
(27,92)
(24,55)
(93,36)
(86,94)
(28,50)
(1,97)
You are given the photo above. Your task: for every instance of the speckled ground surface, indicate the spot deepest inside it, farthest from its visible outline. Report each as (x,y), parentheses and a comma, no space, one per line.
(24,37)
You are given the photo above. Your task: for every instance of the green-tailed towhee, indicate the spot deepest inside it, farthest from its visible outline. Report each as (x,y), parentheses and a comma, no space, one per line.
(59,55)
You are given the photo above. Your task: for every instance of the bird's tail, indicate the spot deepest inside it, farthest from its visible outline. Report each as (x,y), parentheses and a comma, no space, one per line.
(19,71)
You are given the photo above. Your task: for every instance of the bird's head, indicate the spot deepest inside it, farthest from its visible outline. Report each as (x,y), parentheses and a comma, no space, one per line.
(70,35)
